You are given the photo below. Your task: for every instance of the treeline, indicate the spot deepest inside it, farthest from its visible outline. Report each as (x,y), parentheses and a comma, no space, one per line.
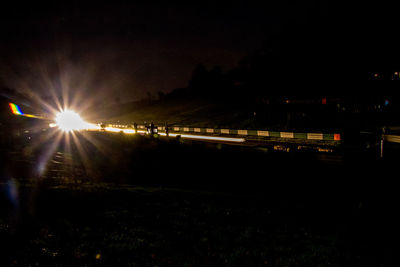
(334,51)
(268,91)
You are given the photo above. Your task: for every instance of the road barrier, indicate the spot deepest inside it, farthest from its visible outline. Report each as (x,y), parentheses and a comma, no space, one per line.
(261,133)
(256,133)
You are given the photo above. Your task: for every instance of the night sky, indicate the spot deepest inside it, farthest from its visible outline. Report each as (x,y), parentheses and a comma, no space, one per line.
(124,49)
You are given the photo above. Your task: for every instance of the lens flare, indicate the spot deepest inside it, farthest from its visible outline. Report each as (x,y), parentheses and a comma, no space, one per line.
(15,109)
(69,120)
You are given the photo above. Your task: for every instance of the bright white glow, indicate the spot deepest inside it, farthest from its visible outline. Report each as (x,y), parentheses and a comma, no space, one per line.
(69,120)
(129,131)
(117,130)
(92,127)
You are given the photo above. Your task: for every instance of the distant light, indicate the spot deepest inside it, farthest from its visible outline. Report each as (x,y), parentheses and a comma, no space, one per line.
(69,120)
(376,75)
(386,102)
(52,125)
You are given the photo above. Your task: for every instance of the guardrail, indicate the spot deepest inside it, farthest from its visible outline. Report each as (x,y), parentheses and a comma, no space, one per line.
(262,133)
(255,133)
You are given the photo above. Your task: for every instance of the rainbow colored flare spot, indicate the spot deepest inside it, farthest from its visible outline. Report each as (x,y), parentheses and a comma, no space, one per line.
(15,109)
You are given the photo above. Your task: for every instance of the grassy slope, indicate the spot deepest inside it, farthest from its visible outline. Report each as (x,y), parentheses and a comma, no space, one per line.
(104,225)
(278,209)
(225,113)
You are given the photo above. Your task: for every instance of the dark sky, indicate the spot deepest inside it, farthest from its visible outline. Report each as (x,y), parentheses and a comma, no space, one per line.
(125,49)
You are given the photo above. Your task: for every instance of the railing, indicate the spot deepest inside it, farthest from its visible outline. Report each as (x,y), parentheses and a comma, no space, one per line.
(240,132)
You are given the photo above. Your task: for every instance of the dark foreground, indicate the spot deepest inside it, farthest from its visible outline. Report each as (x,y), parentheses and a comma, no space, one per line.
(149,202)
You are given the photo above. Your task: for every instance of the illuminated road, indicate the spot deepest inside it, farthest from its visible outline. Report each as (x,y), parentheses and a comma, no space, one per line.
(209,138)
(186,136)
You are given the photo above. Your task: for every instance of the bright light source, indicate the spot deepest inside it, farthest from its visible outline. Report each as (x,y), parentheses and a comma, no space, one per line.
(69,120)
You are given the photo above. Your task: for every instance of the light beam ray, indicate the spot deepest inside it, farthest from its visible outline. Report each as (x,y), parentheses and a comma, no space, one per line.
(82,153)
(94,142)
(48,153)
